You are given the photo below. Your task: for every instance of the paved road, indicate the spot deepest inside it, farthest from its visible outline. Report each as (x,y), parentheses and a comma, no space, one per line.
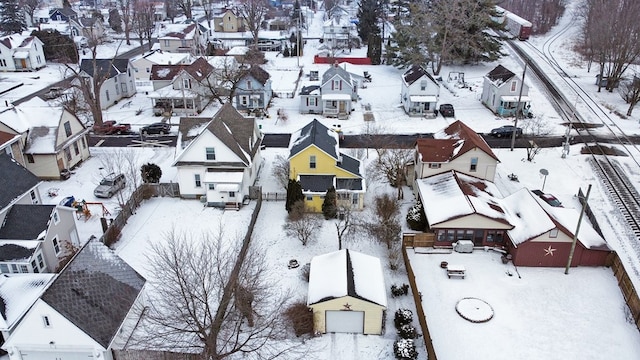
(134,140)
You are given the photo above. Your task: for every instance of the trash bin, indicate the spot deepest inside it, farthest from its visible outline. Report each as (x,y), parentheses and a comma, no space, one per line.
(65,174)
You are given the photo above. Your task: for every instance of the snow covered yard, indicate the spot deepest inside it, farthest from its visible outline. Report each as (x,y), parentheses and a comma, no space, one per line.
(539,313)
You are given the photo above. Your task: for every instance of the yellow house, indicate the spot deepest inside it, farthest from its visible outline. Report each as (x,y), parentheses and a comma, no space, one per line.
(347,293)
(316,162)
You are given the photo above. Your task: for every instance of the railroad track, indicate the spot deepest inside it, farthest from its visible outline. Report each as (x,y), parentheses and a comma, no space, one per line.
(621,192)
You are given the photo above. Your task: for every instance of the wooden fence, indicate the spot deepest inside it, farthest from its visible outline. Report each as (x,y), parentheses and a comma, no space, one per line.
(351,60)
(274,196)
(417,298)
(418,239)
(626,286)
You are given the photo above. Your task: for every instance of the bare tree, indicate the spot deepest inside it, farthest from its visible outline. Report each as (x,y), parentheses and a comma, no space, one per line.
(347,224)
(385,226)
(614,48)
(390,166)
(89,80)
(125,161)
(143,21)
(211,297)
(253,13)
(126,7)
(630,92)
(30,6)
(534,127)
(280,170)
(301,224)
(186,6)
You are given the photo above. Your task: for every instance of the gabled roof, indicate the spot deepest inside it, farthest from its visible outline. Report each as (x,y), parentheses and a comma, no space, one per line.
(95,291)
(16,41)
(334,70)
(191,127)
(349,164)
(316,134)
(15,180)
(165,57)
(451,195)
(415,73)
(18,292)
(199,69)
(177,31)
(235,131)
(452,142)
(499,75)
(346,273)
(308,90)
(258,73)
(26,222)
(106,68)
(316,183)
(165,72)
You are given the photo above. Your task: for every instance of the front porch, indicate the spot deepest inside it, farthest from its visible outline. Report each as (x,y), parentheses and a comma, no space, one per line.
(169,100)
(509,105)
(336,105)
(422,106)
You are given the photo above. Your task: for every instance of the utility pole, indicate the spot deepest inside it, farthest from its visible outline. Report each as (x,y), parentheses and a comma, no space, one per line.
(575,235)
(518,110)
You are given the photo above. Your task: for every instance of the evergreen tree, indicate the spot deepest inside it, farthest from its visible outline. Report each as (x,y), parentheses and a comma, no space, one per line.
(416,218)
(151,173)
(294,194)
(329,206)
(296,16)
(12,17)
(57,47)
(115,21)
(374,49)
(369,13)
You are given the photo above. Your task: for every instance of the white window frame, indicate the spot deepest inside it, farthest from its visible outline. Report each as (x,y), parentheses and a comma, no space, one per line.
(56,245)
(46,321)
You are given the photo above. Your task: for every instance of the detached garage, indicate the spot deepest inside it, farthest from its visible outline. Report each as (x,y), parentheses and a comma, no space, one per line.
(347,293)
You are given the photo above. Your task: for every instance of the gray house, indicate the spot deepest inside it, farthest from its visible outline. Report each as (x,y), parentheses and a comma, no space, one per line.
(119,79)
(337,90)
(32,237)
(254,90)
(310,100)
(501,91)
(420,92)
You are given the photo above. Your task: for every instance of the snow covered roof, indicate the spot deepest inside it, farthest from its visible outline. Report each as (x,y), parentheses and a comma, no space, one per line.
(346,273)
(17,293)
(166,58)
(16,41)
(527,217)
(499,75)
(452,194)
(177,31)
(415,73)
(95,291)
(238,50)
(451,142)
(336,70)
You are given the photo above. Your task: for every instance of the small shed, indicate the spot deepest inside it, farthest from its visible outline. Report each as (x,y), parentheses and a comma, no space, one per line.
(347,293)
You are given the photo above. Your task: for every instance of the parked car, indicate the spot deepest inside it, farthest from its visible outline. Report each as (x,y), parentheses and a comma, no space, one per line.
(548,198)
(109,185)
(110,127)
(53,93)
(156,128)
(506,130)
(447,110)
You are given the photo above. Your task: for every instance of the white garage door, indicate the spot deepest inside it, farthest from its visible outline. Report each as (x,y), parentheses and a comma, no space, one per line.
(345,321)
(39,355)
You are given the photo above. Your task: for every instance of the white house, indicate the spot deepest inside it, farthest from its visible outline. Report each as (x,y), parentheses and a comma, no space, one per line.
(222,161)
(81,314)
(142,66)
(458,148)
(347,293)
(420,92)
(180,38)
(119,83)
(21,53)
(52,138)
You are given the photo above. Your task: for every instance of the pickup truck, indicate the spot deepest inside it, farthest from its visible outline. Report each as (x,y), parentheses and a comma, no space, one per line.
(110,127)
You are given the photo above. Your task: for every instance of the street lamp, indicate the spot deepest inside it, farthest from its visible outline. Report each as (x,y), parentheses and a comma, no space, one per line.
(544,172)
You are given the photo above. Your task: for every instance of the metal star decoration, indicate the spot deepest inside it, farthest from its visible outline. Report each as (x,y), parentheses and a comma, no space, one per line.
(549,251)
(347,306)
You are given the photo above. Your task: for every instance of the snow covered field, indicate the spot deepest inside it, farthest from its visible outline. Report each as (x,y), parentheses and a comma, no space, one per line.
(543,314)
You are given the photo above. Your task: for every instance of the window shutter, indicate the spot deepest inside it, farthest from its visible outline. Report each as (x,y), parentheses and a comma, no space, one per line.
(340,84)
(307,101)
(332,83)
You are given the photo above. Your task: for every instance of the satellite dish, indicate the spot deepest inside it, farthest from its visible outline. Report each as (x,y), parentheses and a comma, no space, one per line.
(544,172)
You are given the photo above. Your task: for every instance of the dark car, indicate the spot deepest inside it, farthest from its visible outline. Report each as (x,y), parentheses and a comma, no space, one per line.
(447,110)
(506,130)
(53,93)
(548,198)
(156,128)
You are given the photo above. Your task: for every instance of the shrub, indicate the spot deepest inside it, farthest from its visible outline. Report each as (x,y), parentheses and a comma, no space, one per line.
(151,173)
(416,218)
(399,290)
(301,318)
(405,349)
(403,317)
(407,332)
(329,206)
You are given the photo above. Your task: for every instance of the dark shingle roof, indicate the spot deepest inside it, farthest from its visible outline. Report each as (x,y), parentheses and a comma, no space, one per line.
(95,291)
(336,70)
(416,72)
(259,74)
(348,184)
(165,72)
(106,68)
(350,164)
(309,89)
(235,131)
(187,124)
(316,183)
(199,69)
(316,134)
(13,252)
(15,180)
(26,222)
(500,74)
(458,140)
